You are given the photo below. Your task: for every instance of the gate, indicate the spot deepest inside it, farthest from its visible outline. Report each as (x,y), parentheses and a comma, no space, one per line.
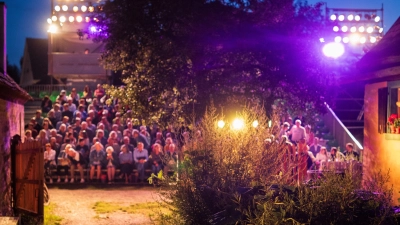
(28,175)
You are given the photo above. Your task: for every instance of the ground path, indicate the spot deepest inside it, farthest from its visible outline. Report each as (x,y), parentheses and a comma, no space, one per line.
(75,206)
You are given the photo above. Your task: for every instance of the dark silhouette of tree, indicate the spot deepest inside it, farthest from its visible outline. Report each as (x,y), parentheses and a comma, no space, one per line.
(177,56)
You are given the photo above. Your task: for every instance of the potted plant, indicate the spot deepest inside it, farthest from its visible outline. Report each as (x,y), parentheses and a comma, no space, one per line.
(391,120)
(396,125)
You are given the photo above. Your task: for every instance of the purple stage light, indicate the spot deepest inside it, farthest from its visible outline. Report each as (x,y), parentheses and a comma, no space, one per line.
(93,29)
(333,50)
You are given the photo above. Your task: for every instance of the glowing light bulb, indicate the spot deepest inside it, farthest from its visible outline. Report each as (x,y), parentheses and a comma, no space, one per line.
(363,40)
(49,21)
(54,18)
(350,17)
(238,124)
(64,7)
(357,18)
(370,29)
(84,8)
(62,19)
(336,28)
(346,40)
(361,29)
(338,39)
(57,8)
(345,28)
(341,17)
(255,123)
(221,124)
(377,19)
(75,8)
(353,29)
(71,19)
(333,17)
(79,19)
(372,39)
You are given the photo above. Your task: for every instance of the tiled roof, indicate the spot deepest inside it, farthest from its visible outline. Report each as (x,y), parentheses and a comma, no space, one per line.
(9,90)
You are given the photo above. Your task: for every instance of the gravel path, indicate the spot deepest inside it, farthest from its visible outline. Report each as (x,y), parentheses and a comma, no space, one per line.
(76,206)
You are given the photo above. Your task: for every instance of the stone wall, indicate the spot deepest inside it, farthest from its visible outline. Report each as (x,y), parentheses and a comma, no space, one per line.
(11,123)
(380,154)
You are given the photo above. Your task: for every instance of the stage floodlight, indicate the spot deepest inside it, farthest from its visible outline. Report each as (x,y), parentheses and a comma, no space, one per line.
(75,8)
(64,7)
(79,19)
(57,8)
(49,21)
(322,40)
(333,50)
(341,17)
(338,39)
(71,19)
(87,19)
(357,17)
(62,19)
(354,38)
(372,39)
(350,17)
(345,28)
(336,28)
(93,29)
(353,29)
(84,8)
(333,17)
(377,19)
(363,40)
(91,9)
(54,18)
(52,28)
(380,30)
(370,29)
(361,29)
(346,40)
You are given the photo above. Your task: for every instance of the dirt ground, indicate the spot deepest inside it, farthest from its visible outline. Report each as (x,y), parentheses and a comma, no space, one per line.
(75,206)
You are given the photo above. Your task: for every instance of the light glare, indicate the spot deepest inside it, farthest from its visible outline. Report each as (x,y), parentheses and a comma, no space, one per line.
(370,29)
(346,40)
(361,29)
(79,19)
(353,29)
(52,28)
(49,21)
(221,124)
(333,17)
(75,8)
(71,19)
(372,39)
(350,17)
(255,123)
(345,28)
(84,8)
(57,8)
(338,39)
(377,19)
(62,19)
(64,7)
(54,18)
(341,17)
(336,28)
(363,40)
(333,50)
(238,124)
(357,18)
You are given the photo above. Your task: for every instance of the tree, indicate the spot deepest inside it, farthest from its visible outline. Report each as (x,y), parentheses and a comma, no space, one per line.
(177,56)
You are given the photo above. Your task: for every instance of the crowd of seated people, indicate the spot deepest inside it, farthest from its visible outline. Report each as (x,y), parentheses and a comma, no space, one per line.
(83,133)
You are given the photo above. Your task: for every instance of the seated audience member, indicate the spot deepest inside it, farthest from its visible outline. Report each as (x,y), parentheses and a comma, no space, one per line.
(46,129)
(52,118)
(315,148)
(309,135)
(335,155)
(46,105)
(38,118)
(42,137)
(112,161)
(83,149)
(140,155)
(127,144)
(89,132)
(63,163)
(76,160)
(126,163)
(156,159)
(34,132)
(74,95)
(90,125)
(99,92)
(28,136)
(171,158)
(113,135)
(65,121)
(322,156)
(350,154)
(57,112)
(284,130)
(87,93)
(93,147)
(100,136)
(97,158)
(67,113)
(54,145)
(160,138)
(71,105)
(81,109)
(62,97)
(49,161)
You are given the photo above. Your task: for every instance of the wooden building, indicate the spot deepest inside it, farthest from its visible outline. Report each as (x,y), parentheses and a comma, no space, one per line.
(380,69)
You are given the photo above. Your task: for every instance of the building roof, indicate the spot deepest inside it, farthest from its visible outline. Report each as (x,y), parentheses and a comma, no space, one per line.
(380,60)
(11,91)
(38,50)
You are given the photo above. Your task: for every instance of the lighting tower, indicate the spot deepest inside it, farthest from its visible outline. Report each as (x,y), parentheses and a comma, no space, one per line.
(355,28)
(73,55)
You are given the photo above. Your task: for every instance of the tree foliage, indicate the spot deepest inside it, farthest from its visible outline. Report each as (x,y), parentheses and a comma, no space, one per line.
(178,55)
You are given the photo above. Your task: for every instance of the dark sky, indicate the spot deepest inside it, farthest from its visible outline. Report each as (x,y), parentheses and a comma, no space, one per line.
(27,18)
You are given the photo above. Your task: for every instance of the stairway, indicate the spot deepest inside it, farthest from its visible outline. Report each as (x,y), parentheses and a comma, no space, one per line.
(349,108)
(30,109)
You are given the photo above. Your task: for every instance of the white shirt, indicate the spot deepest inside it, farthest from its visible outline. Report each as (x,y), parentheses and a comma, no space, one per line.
(298,133)
(50,156)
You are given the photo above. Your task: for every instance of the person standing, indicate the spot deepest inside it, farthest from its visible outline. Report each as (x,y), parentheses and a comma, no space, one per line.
(298,132)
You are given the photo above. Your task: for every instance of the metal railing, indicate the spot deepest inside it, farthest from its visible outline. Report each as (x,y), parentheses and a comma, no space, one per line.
(45,88)
(340,131)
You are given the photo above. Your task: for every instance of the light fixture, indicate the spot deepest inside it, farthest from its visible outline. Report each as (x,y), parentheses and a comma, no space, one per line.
(333,17)
(372,39)
(238,124)
(79,19)
(84,8)
(62,19)
(354,38)
(255,123)
(346,40)
(370,29)
(91,9)
(357,17)
(64,7)
(54,18)
(363,40)
(93,29)
(338,39)
(75,8)
(71,19)
(221,124)
(333,50)
(345,28)
(87,19)
(380,30)
(322,40)
(341,17)
(350,17)
(353,29)
(377,19)
(57,8)
(361,29)
(336,28)
(49,21)
(52,28)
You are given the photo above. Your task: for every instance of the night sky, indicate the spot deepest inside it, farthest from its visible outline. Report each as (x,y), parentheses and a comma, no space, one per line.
(27,18)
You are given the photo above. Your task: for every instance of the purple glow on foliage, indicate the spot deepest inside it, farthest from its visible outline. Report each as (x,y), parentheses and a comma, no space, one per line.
(333,50)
